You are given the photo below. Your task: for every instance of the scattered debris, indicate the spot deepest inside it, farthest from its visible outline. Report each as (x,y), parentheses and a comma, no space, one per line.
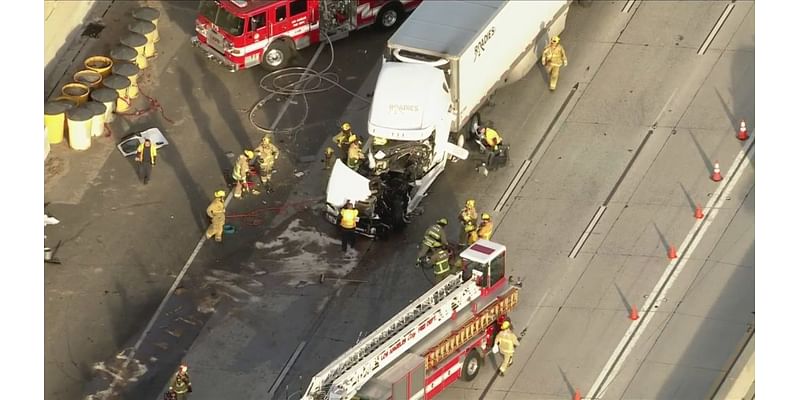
(299,174)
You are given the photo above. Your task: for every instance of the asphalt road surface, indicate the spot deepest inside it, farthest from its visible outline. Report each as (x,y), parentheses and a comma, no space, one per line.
(630,135)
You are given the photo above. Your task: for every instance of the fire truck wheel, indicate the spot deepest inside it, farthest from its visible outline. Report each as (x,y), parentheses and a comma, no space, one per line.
(277,56)
(471,366)
(389,16)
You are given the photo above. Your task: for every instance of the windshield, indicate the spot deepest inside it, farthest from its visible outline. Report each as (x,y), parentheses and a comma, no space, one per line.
(222,18)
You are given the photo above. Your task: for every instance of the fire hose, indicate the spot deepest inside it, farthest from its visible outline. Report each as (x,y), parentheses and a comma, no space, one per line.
(257,216)
(298,81)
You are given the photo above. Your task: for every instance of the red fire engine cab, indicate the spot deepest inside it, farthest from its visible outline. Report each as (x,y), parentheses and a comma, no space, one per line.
(239,34)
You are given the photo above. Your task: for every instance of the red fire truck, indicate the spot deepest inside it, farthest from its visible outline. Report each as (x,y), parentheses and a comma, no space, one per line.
(239,34)
(440,337)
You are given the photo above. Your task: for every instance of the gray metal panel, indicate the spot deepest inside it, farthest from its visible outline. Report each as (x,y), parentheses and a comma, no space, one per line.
(445,27)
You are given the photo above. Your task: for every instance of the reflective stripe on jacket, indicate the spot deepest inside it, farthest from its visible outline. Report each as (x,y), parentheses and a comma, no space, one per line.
(140,152)
(506,340)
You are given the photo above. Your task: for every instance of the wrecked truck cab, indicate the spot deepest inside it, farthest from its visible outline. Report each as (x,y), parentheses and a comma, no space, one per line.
(345,184)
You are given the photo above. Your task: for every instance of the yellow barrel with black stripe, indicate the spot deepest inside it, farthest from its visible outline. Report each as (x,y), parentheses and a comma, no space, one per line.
(148,14)
(147,29)
(138,43)
(120,84)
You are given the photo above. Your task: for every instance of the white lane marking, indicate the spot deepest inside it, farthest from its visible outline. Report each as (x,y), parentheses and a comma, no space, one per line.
(198,247)
(716,29)
(286,369)
(628,6)
(635,330)
(513,185)
(587,231)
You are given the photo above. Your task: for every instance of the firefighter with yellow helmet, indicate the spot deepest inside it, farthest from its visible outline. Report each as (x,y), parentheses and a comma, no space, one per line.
(216,212)
(506,342)
(553,58)
(266,154)
(354,154)
(486,227)
(240,172)
(343,140)
(467,215)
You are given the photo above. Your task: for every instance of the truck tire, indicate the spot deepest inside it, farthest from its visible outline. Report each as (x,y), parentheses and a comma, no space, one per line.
(474,122)
(399,220)
(389,16)
(471,366)
(277,56)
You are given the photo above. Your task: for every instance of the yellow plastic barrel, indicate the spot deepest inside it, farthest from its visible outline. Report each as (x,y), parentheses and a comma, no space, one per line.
(90,78)
(123,53)
(108,97)
(130,71)
(79,120)
(138,43)
(148,14)
(76,91)
(99,64)
(148,30)
(54,120)
(120,84)
(98,111)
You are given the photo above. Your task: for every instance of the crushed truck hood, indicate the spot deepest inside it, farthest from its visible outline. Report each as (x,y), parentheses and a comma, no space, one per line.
(345,184)
(409,100)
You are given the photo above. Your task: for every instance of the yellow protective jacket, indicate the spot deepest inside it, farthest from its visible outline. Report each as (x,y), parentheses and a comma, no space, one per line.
(216,210)
(349,218)
(485,230)
(241,168)
(506,341)
(468,214)
(492,137)
(554,55)
(140,152)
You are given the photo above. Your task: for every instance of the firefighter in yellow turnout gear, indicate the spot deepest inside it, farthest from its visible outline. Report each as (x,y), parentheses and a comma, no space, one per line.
(343,140)
(354,155)
(266,154)
(467,215)
(553,58)
(507,342)
(486,227)
(216,211)
(240,172)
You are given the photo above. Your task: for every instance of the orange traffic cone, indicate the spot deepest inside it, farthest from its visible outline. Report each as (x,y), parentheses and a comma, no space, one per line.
(634,313)
(671,253)
(698,212)
(577,395)
(742,131)
(716,176)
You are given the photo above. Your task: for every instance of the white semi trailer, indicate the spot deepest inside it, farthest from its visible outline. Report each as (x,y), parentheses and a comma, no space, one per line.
(439,68)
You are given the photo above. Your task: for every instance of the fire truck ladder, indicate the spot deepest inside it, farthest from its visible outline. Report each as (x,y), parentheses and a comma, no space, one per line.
(348,373)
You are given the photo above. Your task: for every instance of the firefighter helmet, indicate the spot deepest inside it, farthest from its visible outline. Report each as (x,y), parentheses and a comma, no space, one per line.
(470,203)
(442,221)
(379,141)
(266,140)
(219,194)
(249,154)
(555,39)
(505,325)
(346,126)
(485,216)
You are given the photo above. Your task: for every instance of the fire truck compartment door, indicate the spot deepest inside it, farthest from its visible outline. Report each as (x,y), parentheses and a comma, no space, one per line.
(403,380)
